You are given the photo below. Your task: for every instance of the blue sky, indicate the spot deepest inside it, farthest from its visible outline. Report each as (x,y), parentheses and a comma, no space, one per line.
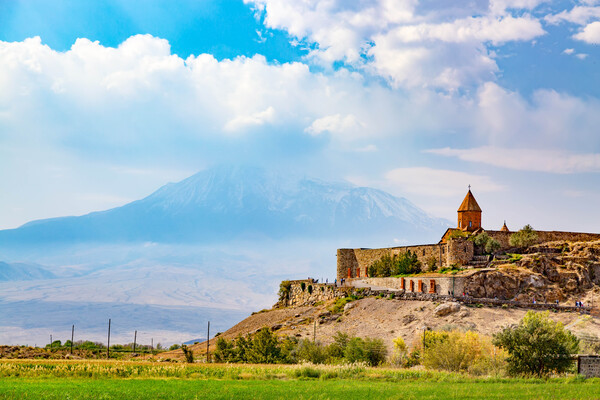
(102,102)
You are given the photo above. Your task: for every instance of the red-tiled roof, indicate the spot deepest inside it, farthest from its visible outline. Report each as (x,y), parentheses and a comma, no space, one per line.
(469,203)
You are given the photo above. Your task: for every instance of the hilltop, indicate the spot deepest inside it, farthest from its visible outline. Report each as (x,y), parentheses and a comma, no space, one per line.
(548,270)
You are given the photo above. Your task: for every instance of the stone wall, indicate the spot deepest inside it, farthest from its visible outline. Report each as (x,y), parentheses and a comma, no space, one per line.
(444,285)
(353,263)
(545,236)
(305,292)
(589,366)
(460,251)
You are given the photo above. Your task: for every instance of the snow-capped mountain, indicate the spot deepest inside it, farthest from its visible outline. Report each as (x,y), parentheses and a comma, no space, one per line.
(242,202)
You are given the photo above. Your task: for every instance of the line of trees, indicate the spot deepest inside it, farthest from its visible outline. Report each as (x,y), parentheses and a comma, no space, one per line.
(536,346)
(264,347)
(403,264)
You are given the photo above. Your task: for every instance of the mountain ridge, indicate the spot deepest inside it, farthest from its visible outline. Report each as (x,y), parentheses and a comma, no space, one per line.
(231,202)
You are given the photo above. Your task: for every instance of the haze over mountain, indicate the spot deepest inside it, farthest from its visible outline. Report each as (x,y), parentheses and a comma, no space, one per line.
(212,247)
(227,203)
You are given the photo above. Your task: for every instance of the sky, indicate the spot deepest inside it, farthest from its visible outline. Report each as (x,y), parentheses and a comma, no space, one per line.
(102,102)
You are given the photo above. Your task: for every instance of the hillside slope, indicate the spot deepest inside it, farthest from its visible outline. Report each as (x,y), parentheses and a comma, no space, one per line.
(387,319)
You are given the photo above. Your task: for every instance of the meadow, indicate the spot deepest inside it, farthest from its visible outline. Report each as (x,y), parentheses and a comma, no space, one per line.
(71,379)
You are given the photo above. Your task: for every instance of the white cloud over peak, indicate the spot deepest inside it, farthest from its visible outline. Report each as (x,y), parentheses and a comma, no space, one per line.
(335,124)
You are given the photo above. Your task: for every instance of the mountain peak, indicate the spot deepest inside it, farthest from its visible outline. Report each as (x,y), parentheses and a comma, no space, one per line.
(226,202)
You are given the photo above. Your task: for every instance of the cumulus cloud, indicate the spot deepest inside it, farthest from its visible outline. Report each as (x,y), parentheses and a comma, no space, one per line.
(256,119)
(552,161)
(336,124)
(590,34)
(410,44)
(579,15)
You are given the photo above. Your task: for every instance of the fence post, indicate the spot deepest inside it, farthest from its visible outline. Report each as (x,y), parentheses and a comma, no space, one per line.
(134,339)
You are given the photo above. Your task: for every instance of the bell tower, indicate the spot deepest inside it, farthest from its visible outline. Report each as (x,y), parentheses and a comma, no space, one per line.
(469,213)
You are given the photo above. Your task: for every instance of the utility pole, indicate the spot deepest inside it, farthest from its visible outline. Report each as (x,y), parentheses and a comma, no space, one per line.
(134,339)
(108,346)
(72,335)
(152,344)
(50,342)
(208,343)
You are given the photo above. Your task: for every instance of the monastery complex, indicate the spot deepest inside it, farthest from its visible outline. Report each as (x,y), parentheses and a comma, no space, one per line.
(454,247)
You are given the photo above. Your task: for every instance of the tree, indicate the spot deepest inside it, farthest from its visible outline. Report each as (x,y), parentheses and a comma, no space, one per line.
(537,345)
(485,242)
(524,237)
(188,353)
(372,351)
(264,348)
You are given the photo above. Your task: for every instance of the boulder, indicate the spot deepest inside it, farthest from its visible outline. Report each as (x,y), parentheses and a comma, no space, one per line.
(349,306)
(446,309)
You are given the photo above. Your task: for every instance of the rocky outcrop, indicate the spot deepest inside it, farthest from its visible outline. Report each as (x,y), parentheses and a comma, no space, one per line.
(446,309)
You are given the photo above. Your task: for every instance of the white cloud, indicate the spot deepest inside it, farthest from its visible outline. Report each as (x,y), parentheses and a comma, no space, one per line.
(257,119)
(552,161)
(590,34)
(569,51)
(404,41)
(487,29)
(579,15)
(502,117)
(438,182)
(336,124)
(581,56)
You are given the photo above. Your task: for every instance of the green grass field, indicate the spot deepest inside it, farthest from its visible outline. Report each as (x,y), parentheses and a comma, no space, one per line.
(139,380)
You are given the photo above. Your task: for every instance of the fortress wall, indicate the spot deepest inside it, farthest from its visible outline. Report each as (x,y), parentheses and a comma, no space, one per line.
(358,260)
(443,285)
(313,293)
(545,236)
(460,251)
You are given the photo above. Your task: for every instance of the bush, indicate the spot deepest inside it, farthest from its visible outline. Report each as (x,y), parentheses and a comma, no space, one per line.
(537,345)
(302,286)
(174,347)
(284,290)
(457,234)
(524,238)
(313,352)
(371,351)
(189,355)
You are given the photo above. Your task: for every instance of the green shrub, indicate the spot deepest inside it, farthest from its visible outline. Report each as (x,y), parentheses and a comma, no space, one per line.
(524,238)
(537,345)
(457,234)
(302,286)
(310,351)
(188,354)
(371,351)
(284,290)
(310,289)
